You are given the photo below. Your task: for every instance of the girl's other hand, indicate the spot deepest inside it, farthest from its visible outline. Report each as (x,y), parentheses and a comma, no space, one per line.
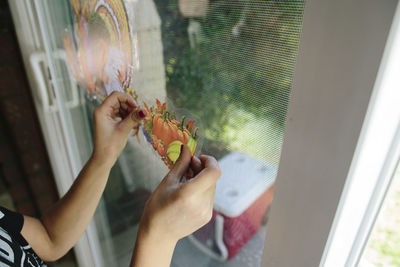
(113,120)
(177,209)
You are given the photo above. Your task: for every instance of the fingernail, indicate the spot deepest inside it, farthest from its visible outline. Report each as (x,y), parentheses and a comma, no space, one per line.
(142,114)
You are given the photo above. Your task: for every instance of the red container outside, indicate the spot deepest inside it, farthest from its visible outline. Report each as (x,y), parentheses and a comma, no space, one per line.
(243,196)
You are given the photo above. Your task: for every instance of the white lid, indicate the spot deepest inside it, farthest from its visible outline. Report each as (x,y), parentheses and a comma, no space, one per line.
(244,179)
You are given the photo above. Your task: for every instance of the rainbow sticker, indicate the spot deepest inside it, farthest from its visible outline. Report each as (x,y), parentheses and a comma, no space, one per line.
(100,52)
(100,58)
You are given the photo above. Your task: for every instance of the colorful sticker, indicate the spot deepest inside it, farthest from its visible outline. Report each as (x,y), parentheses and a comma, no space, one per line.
(100,53)
(167,133)
(100,58)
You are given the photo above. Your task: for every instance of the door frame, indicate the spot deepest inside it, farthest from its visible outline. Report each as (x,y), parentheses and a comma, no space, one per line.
(33,42)
(342,61)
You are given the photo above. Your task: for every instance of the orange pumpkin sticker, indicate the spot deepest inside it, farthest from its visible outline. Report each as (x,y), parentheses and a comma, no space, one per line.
(166,133)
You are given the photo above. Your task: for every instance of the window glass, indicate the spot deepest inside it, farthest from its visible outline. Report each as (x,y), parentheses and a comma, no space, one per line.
(230,63)
(383,245)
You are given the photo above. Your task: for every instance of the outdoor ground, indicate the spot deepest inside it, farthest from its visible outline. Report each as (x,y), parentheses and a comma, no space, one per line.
(384,245)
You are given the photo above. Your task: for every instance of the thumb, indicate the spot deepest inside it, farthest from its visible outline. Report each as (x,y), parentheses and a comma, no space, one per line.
(181,165)
(132,120)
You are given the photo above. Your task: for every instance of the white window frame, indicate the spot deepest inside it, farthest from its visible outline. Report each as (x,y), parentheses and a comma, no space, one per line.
(340,142)
(374,163)
(64,167)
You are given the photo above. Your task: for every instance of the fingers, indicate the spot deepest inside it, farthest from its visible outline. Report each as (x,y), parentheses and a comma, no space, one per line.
(118,105)
(117,99)
(181,165)
(132,120)
(196,165)
(195,168)
(208,161)
(207,177)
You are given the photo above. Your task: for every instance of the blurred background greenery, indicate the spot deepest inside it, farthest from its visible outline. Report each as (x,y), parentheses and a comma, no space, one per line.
(383,249)
(234,70)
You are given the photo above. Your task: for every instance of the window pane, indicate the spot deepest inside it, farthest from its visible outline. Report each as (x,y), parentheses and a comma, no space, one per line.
(230,63)
(383,245)
(233,66)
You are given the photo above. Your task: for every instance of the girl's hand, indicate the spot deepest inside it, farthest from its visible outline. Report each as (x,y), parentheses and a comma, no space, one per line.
(113,120)
(62,225)
(176,209)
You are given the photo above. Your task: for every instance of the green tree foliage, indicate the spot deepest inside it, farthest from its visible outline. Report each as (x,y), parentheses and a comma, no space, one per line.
(242,58)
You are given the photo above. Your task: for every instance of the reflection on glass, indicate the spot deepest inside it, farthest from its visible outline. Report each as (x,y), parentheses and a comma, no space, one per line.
(230,63)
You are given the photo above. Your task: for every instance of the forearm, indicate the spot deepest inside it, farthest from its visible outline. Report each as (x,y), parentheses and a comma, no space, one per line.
(68,218)
(61,227)
(152,251)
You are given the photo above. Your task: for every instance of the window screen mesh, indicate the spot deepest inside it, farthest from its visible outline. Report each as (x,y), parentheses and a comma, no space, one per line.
(231,63)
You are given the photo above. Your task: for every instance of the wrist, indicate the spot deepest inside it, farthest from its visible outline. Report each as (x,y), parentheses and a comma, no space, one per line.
(156,241)
(149,233)
(102,161)
(148,244)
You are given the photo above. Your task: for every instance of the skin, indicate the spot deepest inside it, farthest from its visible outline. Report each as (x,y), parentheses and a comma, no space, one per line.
(174,210)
